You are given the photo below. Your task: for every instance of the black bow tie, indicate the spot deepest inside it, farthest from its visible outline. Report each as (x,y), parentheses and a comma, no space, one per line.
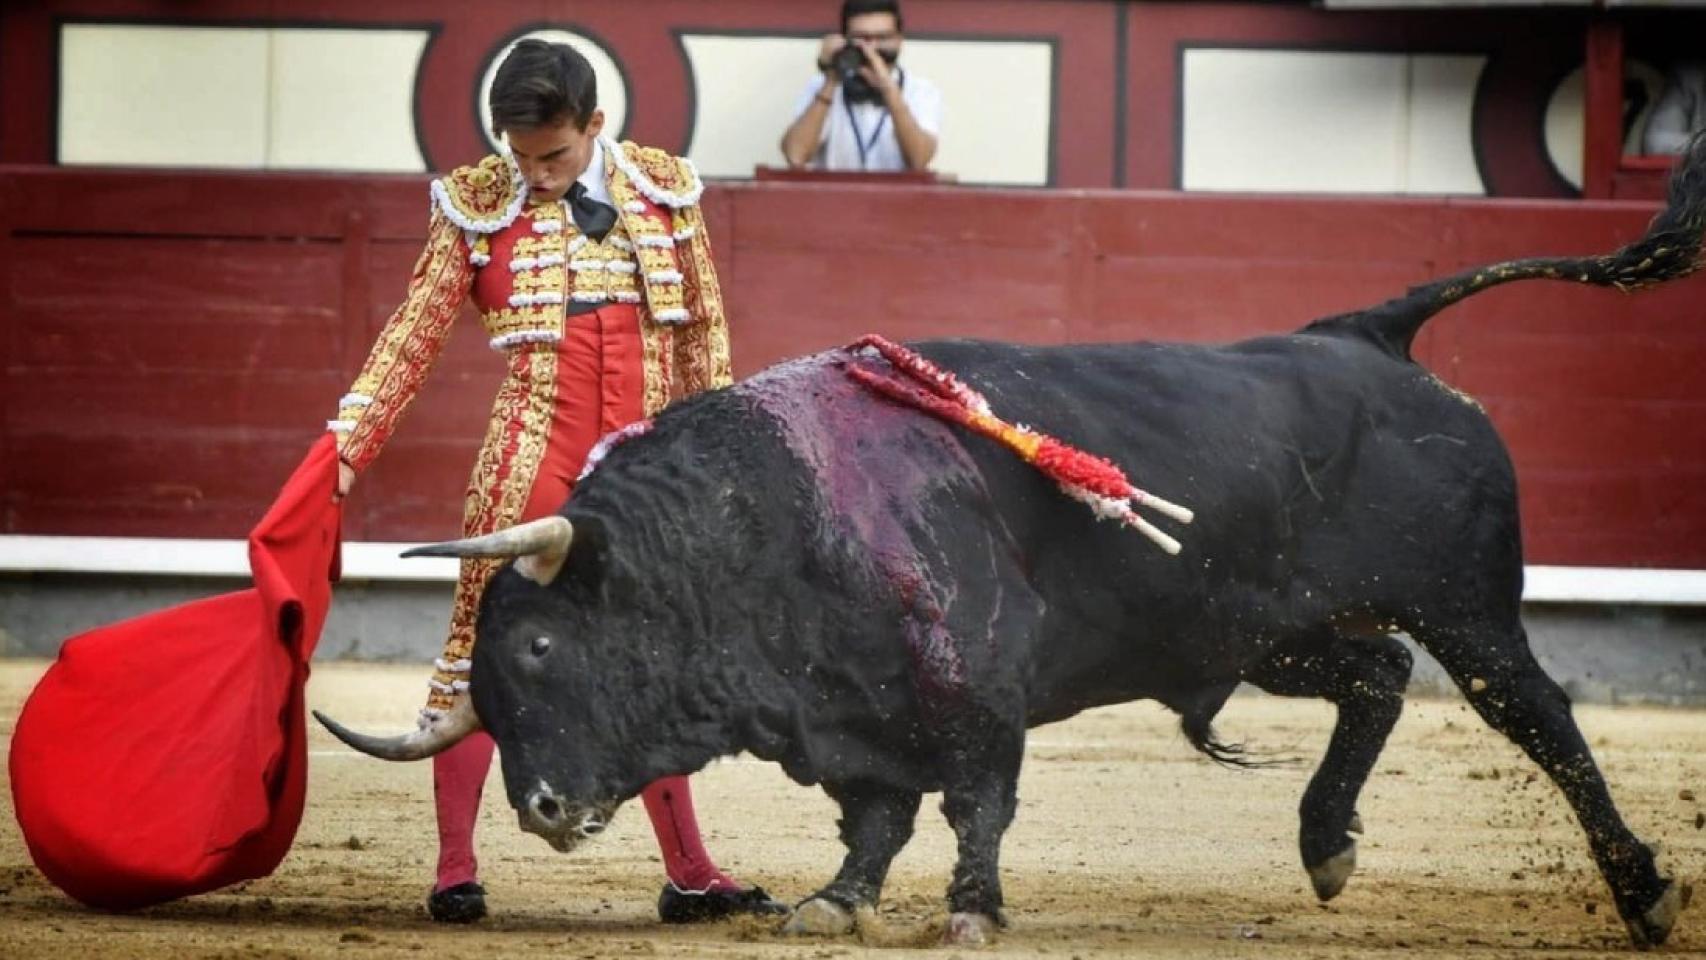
(592,217)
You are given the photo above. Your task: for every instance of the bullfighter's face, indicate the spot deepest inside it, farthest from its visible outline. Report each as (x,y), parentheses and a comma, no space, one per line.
(552,157)
(535,693)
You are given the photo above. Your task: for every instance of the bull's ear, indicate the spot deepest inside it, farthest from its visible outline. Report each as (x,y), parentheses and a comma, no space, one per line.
(550,540)
(541,568)
(589,558)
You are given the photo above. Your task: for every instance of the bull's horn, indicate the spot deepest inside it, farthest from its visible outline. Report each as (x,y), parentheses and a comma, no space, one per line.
(433,737)
(546,535)
(540,547)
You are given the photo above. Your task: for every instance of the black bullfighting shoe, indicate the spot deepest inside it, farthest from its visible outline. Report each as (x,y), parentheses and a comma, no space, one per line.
(463,903)
(693,906)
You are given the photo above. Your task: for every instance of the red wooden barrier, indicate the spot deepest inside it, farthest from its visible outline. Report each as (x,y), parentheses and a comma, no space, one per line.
(170,342)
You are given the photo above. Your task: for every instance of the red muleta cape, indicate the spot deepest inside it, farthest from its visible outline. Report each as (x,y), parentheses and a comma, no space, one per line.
(167,755)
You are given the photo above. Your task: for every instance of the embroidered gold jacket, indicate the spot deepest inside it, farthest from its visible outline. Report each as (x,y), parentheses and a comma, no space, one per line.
(522,263)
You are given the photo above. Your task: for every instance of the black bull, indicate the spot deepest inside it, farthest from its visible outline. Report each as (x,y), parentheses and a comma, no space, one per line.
(883,604)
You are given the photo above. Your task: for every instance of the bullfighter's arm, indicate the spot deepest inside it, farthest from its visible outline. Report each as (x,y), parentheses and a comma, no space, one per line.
(407,346)
(702,344)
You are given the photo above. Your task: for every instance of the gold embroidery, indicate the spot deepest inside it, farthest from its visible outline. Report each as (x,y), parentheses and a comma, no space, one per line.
(503,477)
(702,356)
(605,271)
(548,212)
(540,280)
(484,197)
(656,354)
(512,320)
(668,173)
(655,344)
(532,246)
(411,339)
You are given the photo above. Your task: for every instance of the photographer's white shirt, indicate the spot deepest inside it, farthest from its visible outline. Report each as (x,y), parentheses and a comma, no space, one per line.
(843,129)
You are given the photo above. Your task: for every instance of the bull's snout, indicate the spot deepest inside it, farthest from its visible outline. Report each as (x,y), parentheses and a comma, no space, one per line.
(545,813)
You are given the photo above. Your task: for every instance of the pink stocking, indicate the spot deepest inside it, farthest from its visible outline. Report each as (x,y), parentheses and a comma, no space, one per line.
(458,775)
(669,802)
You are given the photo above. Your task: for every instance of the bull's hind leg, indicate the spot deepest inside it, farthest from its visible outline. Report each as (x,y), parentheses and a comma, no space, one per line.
(1364,675)
(1493,666)
(876,821)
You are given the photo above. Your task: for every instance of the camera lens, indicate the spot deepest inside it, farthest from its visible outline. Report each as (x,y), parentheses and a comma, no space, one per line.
(848,60)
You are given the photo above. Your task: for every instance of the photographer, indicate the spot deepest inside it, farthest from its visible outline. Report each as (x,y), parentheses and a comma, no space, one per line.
(864,112)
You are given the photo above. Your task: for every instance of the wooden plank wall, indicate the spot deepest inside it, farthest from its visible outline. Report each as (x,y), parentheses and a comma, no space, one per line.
(171,342)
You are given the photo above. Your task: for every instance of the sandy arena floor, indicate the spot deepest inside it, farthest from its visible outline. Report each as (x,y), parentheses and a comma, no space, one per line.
(1127,844)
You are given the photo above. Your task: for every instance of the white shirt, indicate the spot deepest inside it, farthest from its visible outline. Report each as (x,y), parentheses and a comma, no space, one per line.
(843,129)
(593,175)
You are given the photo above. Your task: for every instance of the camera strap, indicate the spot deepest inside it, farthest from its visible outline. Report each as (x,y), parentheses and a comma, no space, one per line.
(866,146)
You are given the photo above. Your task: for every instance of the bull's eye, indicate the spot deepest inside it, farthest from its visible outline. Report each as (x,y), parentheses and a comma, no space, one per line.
(541,646)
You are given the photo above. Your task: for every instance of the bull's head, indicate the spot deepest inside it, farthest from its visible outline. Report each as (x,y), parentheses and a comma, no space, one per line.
(521,650)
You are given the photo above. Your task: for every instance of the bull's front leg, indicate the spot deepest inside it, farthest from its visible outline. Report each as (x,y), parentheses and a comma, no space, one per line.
(979,802)
(876,822)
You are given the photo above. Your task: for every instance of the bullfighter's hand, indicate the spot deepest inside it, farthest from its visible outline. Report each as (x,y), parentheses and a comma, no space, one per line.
(346,479)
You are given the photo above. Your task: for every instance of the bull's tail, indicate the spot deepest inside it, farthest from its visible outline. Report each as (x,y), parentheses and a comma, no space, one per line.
(1671,248)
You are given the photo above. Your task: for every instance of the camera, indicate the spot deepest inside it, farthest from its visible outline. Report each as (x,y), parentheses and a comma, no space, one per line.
(846,63)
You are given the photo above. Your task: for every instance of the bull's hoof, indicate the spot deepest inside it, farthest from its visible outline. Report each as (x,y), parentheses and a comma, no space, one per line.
(969,930)
(1330,876)
(463,903)
(1651,928)
(818,917)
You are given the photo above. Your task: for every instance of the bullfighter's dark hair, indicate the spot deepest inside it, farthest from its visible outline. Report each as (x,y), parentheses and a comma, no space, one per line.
(859,8)
(541,84)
